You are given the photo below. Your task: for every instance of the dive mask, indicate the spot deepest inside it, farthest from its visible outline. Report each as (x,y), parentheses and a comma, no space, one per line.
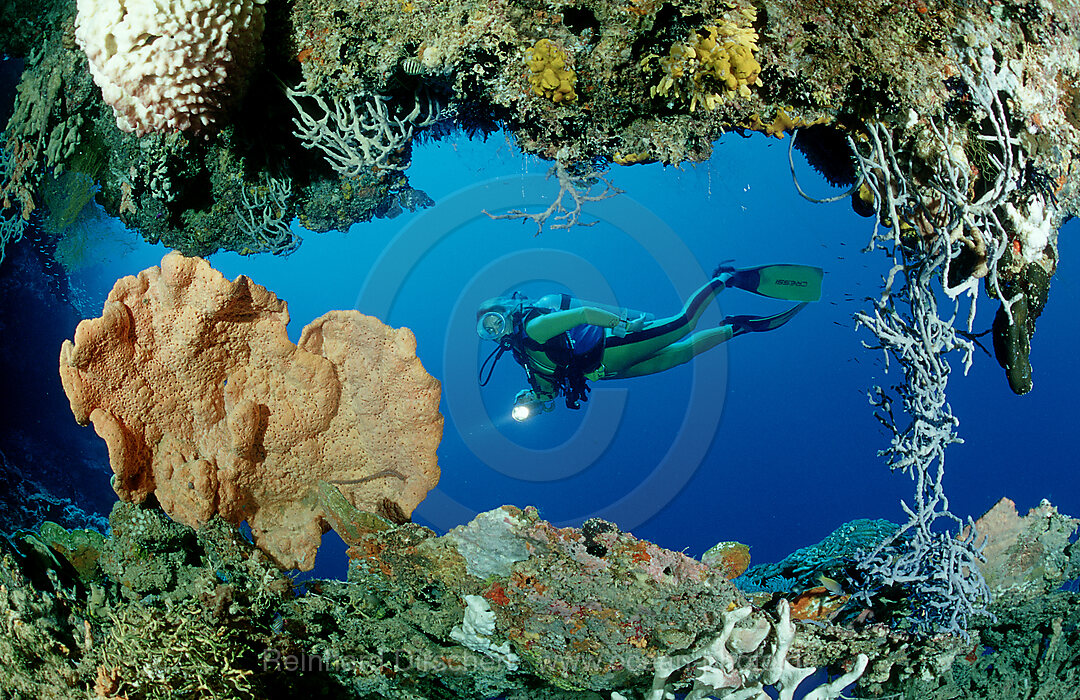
(492,326)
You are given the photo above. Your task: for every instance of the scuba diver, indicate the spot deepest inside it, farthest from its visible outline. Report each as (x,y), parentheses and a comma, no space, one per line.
(563,342)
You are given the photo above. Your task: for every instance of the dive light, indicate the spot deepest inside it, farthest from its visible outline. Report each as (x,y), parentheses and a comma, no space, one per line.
(526,405)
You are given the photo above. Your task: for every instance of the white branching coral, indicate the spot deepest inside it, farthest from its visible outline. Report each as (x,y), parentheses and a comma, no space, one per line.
(360,131)
(169,65)
(576,181)
(928,226)
(736,665)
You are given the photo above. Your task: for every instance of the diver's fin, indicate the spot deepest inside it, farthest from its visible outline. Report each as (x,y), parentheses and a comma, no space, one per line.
(757,324)
(791,282)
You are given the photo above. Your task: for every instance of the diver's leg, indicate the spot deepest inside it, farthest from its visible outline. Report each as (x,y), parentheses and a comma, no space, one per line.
(620,353)
(678,353)
(699,301)
(684,350)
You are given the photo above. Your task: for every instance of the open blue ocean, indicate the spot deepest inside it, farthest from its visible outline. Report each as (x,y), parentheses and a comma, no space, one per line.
(767,440)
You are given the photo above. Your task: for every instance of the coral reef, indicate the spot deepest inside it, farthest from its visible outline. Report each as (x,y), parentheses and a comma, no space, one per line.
(962,121)
(505,605)
(204,402)
(593,83)
(841,63)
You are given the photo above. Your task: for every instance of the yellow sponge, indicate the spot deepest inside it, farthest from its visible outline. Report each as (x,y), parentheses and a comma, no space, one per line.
(714,64)
(548,73)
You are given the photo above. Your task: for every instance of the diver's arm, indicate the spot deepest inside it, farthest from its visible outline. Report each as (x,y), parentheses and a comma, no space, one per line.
(544,328)
(559,302)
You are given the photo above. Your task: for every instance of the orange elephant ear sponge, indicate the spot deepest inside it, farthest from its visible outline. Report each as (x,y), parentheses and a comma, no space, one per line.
(203,400)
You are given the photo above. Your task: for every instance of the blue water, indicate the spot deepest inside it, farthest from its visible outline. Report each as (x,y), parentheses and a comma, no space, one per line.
(767,440)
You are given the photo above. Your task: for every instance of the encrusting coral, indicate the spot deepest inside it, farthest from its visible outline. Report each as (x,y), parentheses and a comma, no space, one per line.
(204,401)
(1025,554)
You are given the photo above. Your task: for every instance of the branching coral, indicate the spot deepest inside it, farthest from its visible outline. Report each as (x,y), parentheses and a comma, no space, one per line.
(577,183)
(737,661)
(154,654)
(952,226)
(716,63)
(264,218)
(939,567)
(361,131)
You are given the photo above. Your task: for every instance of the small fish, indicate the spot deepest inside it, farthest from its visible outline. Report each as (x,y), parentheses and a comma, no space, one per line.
(830,584)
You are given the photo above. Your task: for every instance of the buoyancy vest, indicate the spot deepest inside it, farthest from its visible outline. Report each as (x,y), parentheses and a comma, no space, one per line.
(563,360)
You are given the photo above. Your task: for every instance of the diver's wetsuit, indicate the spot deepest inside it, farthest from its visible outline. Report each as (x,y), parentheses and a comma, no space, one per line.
(656,346)
(667,342)
(562,342)
(562,347)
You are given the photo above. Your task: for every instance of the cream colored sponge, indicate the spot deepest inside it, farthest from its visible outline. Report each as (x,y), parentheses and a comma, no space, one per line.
(169,65)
